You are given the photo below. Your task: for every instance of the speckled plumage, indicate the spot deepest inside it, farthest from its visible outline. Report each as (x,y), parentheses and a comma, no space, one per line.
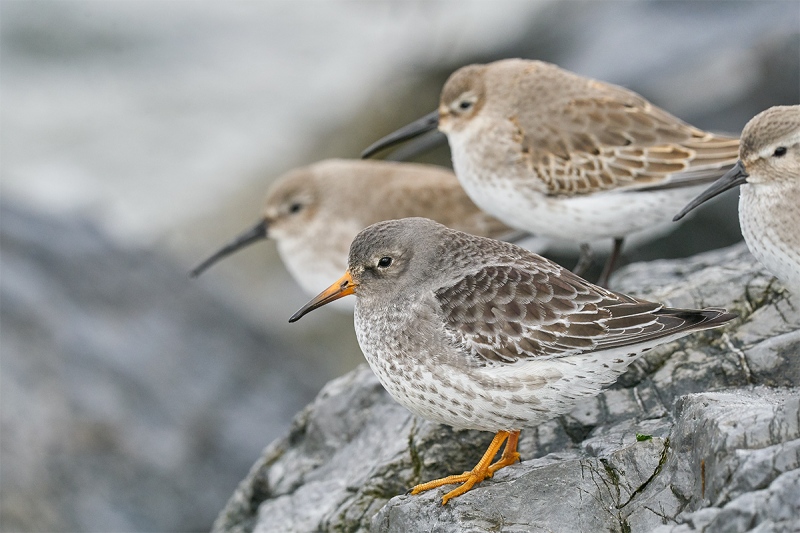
(481,334)
(314,212)
(769,202)
(477,333)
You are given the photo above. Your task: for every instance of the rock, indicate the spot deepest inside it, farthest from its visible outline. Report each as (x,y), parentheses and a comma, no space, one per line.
(701,433)
(130,399)
(726,445)
(775,508)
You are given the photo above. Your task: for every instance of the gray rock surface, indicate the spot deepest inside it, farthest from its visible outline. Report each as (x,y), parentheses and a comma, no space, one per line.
(717,414)
(130,398)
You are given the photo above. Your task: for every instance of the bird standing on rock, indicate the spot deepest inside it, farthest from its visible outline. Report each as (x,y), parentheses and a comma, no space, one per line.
(482,334)
(768,171)
(567,157)
(314,212)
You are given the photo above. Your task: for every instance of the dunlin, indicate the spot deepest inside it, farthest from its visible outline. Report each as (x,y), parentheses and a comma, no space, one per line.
(482,334)
(314,212)
(567,157)
(768,171)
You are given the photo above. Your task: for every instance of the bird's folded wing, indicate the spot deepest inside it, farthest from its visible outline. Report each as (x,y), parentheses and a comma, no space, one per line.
(615,140)
(502,314)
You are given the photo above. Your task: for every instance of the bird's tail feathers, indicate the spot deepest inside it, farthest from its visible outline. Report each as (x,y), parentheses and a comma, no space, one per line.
(700,319)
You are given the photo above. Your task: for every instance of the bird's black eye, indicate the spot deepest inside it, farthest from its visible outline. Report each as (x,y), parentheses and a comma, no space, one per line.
(384,262)
(780,151)
(295,207)
(464,105)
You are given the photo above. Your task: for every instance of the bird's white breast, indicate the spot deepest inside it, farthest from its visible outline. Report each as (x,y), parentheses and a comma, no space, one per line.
(770,221)
(315,266)
(420,369)
(514,194)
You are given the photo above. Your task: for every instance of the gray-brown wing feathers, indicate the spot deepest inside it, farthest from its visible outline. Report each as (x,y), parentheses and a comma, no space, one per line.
(613,138)
(507,313)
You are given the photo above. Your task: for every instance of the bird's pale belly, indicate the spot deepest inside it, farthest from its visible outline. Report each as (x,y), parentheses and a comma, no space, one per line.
(771,236)
(489,398)
(578,218)
(313,268)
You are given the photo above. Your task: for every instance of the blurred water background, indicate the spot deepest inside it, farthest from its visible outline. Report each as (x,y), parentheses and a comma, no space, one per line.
(138,136)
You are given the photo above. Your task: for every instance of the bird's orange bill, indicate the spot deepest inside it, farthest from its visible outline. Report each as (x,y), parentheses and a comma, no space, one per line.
(734,177)
(342,287)
(256,233)
(418,127)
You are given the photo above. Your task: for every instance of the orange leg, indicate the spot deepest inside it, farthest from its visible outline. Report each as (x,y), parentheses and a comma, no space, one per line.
(510,453)
(482,470)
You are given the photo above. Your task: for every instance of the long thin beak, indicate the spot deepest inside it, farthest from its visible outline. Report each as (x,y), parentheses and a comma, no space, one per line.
(256,233)
(341,287)
(418,127)
(734,177)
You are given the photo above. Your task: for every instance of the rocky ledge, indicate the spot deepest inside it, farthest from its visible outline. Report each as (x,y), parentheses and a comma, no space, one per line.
(702,434)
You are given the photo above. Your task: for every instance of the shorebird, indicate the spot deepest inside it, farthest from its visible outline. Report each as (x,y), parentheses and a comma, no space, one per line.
(768,171)
(482,334)
(568,157)
(314,212)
